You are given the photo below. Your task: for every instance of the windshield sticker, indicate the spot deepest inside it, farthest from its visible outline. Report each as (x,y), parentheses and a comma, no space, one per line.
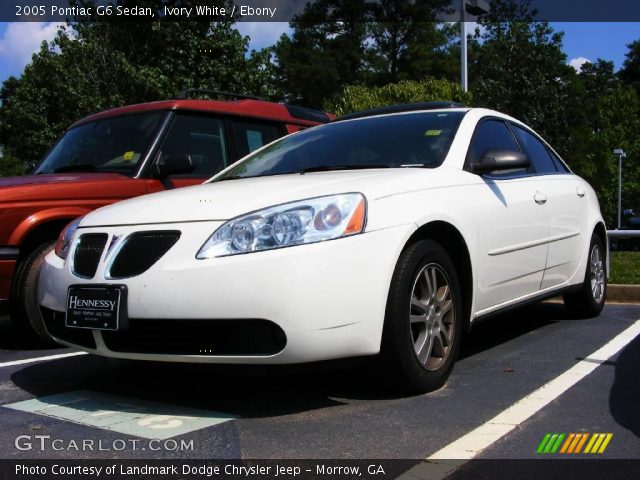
(128,156)
(432,133)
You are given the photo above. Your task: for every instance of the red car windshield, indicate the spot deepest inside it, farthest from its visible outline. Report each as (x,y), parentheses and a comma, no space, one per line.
(116,144)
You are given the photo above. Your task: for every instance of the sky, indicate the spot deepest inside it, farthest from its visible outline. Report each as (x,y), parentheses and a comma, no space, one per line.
(582,41)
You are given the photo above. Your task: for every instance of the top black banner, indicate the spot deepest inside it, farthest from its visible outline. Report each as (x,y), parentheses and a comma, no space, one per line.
(316,11)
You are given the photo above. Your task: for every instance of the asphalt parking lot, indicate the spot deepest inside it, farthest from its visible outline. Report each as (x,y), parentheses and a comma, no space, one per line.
(300,414)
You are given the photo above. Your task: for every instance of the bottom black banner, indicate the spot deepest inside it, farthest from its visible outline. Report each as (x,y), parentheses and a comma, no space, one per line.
(532,469)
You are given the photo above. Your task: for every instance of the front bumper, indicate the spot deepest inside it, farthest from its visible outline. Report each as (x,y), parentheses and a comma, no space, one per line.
(328,299)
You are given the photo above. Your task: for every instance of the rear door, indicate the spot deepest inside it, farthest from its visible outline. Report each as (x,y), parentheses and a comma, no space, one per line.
(512,225)
(566,208)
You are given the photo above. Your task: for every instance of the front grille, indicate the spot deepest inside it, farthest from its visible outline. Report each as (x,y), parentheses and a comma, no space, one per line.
(198,337)
(87,254)
(54,321)
(140,251)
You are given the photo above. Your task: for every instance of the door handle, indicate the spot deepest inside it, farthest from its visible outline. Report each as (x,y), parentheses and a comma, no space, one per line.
(540,198)
(581,192)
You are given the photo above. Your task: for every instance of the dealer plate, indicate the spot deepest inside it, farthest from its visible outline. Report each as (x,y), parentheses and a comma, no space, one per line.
(100,307)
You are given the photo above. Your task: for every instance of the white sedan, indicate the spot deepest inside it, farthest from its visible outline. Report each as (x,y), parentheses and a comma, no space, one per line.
(389,232)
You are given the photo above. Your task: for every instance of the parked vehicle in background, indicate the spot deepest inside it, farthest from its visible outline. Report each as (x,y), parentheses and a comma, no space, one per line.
(630,221)
(122,153)
(633,219)
(390,231)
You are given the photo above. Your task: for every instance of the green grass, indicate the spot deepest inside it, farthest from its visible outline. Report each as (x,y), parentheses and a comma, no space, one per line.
(625,267)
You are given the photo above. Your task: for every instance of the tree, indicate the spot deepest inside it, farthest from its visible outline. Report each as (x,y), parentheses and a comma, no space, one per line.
(348,42)
(91,66)
(519,68)
(325,51)
(630,72)
(603,116)
(402,48)
(359,97)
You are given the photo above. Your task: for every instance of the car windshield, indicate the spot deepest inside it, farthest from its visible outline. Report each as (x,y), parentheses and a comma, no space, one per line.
(114,144)
(416,139)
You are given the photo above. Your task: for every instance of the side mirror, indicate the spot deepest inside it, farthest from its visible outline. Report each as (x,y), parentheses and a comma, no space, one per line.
(174,166)
(494,160)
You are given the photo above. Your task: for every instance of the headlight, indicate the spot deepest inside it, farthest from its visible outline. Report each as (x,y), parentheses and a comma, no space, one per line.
(296,223)
(64,240)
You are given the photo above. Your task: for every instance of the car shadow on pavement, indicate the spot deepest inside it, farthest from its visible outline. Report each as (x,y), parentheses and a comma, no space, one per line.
(504,327)
(10,339)
(256,391)
(624,398)
(247,391)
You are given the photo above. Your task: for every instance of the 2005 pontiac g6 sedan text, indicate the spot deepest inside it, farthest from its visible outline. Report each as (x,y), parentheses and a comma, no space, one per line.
(388,232)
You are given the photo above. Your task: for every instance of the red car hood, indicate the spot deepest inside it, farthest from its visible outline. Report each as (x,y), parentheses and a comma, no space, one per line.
(56,178)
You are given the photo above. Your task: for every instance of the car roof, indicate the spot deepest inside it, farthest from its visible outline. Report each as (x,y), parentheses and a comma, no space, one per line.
(243,108)
(401,108)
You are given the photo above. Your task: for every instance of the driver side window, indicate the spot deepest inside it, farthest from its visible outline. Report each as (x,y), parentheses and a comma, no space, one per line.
(201,138)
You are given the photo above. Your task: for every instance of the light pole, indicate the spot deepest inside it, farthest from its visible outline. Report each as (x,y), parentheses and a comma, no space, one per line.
(475,8)
(620,153)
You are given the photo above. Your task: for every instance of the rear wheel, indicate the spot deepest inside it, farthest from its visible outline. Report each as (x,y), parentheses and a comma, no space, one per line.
(424,319)
(25,312)
(589,300)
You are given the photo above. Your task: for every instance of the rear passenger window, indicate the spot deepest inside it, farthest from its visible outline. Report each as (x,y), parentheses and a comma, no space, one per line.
(536,150)
(558,163)
(491,135)
(250,136)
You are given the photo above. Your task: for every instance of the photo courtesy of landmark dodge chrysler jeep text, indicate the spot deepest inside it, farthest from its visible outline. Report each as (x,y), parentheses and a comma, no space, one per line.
(387,232)
(122,153)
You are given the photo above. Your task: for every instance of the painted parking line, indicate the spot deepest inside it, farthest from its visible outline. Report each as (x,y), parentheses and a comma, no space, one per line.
(449,458)
(141,418)
(41,359)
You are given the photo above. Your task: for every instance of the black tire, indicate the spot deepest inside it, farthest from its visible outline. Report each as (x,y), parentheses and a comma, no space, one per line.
(24,309)
(403,334)
(588,302)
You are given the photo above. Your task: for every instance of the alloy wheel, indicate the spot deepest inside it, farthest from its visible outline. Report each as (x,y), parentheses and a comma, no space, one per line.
(597,273)
(432,316)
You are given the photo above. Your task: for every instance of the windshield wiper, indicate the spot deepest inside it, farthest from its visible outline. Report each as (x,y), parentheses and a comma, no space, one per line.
(239,177)
(81,167)
(327,168)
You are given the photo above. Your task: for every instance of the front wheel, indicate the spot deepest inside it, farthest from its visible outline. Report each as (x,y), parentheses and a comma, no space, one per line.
(589,300)
(424,318)
(25,312)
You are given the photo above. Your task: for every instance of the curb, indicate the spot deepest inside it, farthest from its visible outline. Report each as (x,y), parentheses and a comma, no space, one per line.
(623,293)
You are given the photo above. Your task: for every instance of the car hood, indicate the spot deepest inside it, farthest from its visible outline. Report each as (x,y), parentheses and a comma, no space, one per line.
(230,198)
(55,178)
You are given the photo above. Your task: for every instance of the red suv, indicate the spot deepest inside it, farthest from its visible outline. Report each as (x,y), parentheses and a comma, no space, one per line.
(122,153)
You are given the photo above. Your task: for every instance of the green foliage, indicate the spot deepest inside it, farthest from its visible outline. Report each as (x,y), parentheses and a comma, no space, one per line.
(519,68)
(401,48)
(630,72)
(603,116)
(321,56)
(357,42)
(358,97)
(625,268)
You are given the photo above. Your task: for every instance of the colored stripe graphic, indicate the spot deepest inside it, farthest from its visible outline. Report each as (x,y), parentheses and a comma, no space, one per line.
(555,443)
(580,443)
(605,443)
(543,443)
(550,443)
